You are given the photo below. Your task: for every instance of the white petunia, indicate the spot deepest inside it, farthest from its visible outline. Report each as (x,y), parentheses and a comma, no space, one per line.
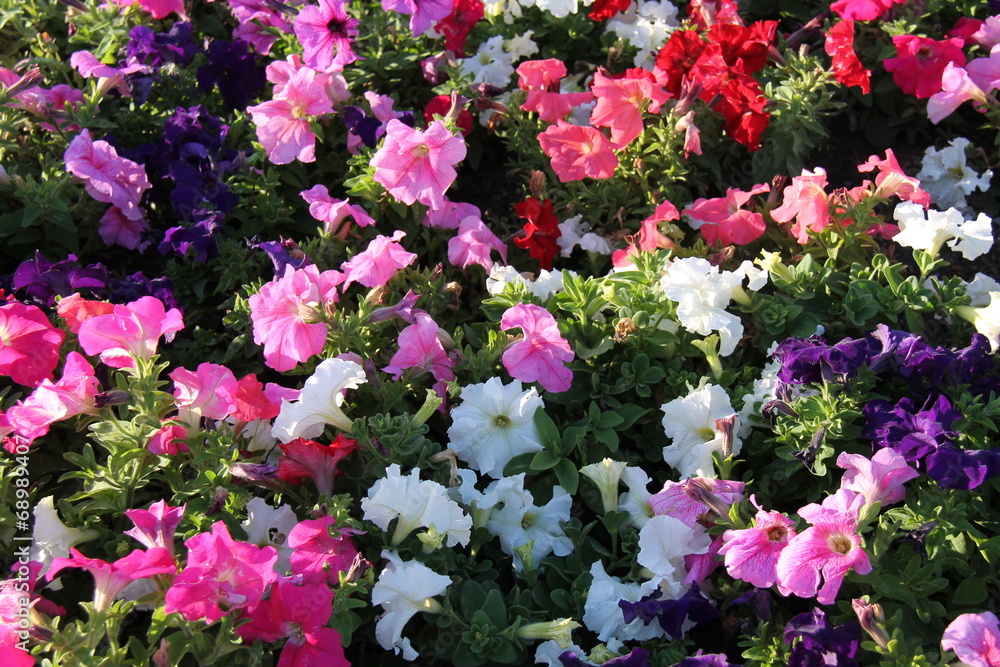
(636,500)
(979,290)
(702,294)
(51,538)
(764,390)
(319,402)
(268,526)
(521,46)
(945,175)
(605,476)
(493,424)
(928,230)
(490,65)
(521,521)
(602,615)
(663,543)
(645,25)
(415,503)
(690,423)
(403,589)
(986,319)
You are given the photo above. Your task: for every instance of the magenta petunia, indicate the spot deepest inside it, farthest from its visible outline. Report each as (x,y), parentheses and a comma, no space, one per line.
(422,12)
(111,578)
(155,527)
(107,177)
(376,264)
(158,8)
(208,392)
(132,330)
(326,32)
(287,315)
(420,348)
(975,639)
(50,402)
(418,166)
(29,344)
(752,554)
(541,353)
(319,554)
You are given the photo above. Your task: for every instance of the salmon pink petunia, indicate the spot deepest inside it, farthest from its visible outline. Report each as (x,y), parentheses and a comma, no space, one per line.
(418,166)
(541,354)
(723,218)
(541,80)
(578,152)
(892,180)
(622,101)
(806,201)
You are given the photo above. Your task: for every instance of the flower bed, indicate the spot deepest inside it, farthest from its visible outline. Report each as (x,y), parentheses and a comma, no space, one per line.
(554,332)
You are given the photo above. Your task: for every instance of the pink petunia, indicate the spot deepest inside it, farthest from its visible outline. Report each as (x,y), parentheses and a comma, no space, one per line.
(132,330)
(957,88)
(209,392)
(863,10)
(578,152)
(418,166)
(287,315)
(540,79)
(879,479)
(622,101)
(107,177)
(280,72)
(168,441)
(283,123)
(376,264)
(975,639)
(422,12)
(299,611)
(676,500)
(474,243)
(825,552)
(332,212)
(806,201)
(29,344)
(158,8)
(116,228)
(50,402)
(650,237)
(74,309)
(920,62)
(893,181)
(451,215)
(541,353)
(316,554)
(89,66)
(221,575)
(326,33)
(110,579)
(723,219)
(752,554)
(155,527)
(420,348)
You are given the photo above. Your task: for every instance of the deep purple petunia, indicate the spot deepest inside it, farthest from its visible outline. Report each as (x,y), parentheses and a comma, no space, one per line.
(637,657)
(43,280)
(805,360)
(819,643)
(234,69)
(670,614)
(199,238)
(708,660)
(283,253)
(137,285)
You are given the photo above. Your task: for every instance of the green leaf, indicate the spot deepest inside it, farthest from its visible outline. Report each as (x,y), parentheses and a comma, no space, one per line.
(544,460)
(547,430)
(495,608)
(970,592)
(568,475)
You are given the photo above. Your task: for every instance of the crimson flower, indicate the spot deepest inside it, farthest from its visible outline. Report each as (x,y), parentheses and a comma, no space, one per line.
(539,236)
(847,68)
(307,458)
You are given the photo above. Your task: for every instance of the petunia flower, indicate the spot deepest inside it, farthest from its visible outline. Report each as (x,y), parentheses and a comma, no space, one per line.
(130,331)
(603,616)
(319,402)
(957,88)
(302,459)
(815,642)
(283,123)
(920,62)
(929,230)
(893,181)
(50,537)
(691,423)
(474,244)
(404,589)
(111,578)
(332,212)
(418,166)
(879,479)
(155,527)
(209,392)
(326,33)
(379,262)
(541,233)
(74,394)
(421,348)
(847,69)
(723,219)
(320,554)
(540,79)
(520,522)
(576,152)
(541,354)
(622,101)
(415,503)
(751,554)
(975,639)
(806,201)
(493,424)
(107,177)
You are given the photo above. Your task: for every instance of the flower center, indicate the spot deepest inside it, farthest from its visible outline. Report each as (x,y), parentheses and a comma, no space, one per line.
(777,533)
(423,150)
(706,434)
(502,421)
(840,543)
(336,26)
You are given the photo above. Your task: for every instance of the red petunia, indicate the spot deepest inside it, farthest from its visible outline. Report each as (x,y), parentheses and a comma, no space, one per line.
(602,10)
(303,459)
(847,68)
(540,235)
(455,27)
(742,107)
(441,105)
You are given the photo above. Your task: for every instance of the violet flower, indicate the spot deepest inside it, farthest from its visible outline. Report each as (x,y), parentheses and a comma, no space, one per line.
(43,280)
(234,70)
(820,643)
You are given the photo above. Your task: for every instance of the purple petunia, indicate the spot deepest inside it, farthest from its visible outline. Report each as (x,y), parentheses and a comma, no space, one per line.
(805,360)
(820,643)
(42,280)
(670,614)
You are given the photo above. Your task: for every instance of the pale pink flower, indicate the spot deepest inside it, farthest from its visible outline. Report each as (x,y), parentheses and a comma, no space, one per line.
(541,353)
(29,344)
(280,72)
(674,500)
(168,441)
(331,212)
(110,579)
(752,554)
(209,392)
(422,12)
(158,8)
(420,348)
(451,215)
(113,77)
(107,177)
(287,315)
(806,201)
(221,575)
(326,33)
(975,639)
(416,166)
(115,228)
(621,103)
(826,551)
(155,527)
(474,243)
(723,218)
(891,180)
(577,152)
(985,71)
(283,123)
(957,88)
(132,330)
(374,266)
(879,479)
(50,402)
